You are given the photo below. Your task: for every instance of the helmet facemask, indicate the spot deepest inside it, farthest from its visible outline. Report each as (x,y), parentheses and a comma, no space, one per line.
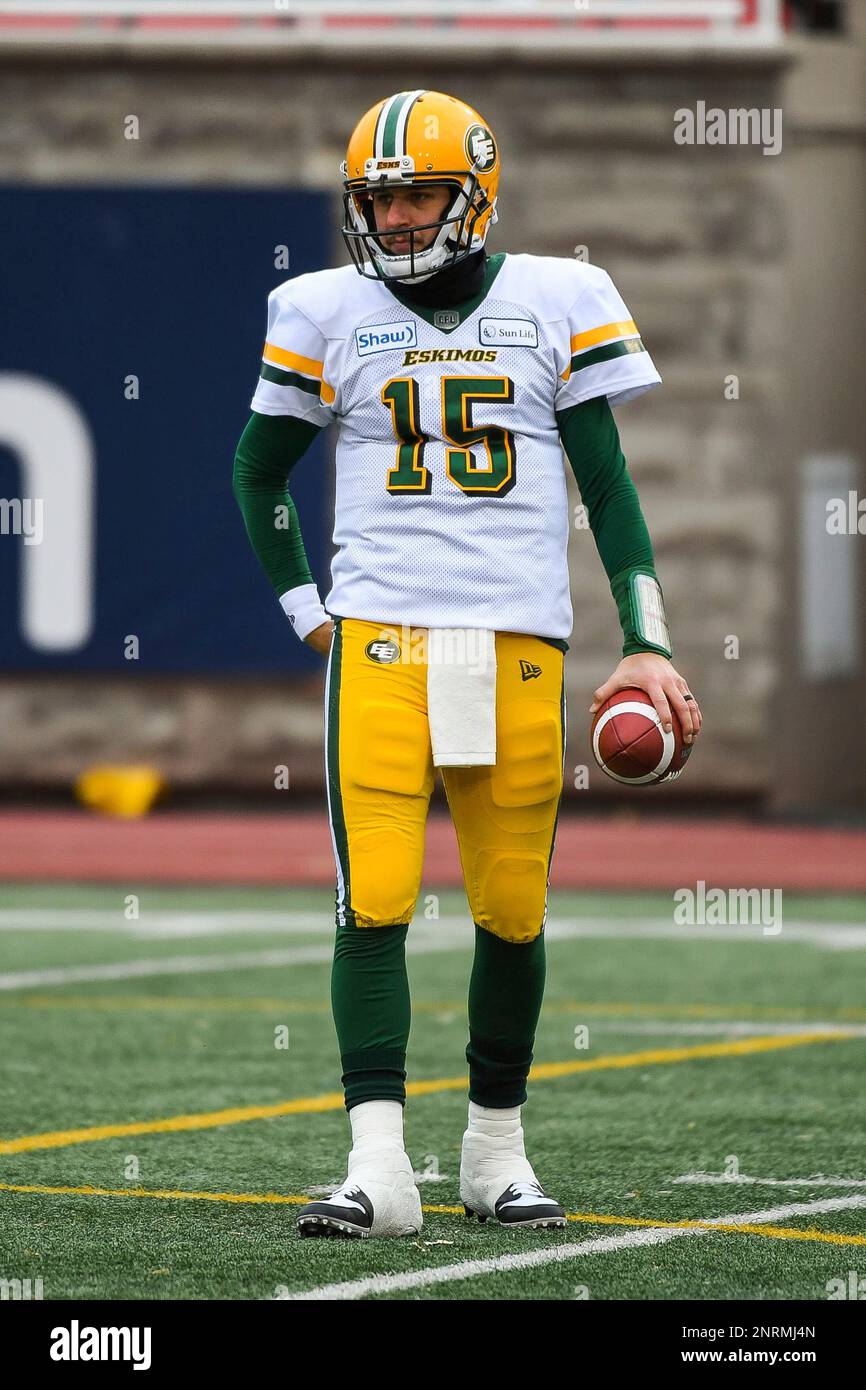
(455,237)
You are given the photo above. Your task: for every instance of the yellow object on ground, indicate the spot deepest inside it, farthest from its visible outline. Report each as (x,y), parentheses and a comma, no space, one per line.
(120,791)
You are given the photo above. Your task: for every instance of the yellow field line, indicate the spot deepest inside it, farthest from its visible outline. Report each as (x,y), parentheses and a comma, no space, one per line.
(594,1218)
(178,1194)
(333,1100)
(292,1199)
(329,1100)
(612,1009)
(159,1003)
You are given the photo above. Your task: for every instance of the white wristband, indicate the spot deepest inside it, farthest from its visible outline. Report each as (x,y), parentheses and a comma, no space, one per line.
(303,608)
(648,612)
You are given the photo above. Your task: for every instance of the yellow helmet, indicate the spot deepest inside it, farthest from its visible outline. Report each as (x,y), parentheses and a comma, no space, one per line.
(415,138)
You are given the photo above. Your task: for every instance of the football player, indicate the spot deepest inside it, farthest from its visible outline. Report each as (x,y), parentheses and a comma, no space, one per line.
(457,380)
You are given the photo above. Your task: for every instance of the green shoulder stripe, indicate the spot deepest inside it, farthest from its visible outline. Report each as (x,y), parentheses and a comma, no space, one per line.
(283,378)
(605,354)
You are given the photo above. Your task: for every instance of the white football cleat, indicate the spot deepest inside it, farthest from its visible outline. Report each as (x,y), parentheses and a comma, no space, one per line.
(497,1181)
(378,1198)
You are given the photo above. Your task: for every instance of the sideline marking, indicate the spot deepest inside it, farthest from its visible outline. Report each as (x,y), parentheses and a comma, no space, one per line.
(752,1222)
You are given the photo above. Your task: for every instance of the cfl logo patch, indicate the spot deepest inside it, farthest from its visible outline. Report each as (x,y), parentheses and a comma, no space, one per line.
(383,652)
(528,671)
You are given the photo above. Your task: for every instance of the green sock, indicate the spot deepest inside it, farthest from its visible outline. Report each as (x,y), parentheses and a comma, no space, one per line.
(372,1013)
(505,993)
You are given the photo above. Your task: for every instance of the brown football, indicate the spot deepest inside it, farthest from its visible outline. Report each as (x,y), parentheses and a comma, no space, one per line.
(630,744)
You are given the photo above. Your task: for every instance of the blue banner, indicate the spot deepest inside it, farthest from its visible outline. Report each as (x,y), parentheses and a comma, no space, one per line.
(130,339)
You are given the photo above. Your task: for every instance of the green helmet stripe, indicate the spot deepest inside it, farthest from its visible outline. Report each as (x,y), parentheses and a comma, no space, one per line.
(390,137)
(389,126)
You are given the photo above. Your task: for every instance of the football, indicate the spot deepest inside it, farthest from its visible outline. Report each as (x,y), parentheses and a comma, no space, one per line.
(630,744)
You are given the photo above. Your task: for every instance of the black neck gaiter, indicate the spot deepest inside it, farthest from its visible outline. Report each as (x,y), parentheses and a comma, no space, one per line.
(448,287)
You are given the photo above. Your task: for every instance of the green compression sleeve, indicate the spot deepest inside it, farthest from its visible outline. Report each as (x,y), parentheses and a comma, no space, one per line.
(268,450)
(591,442)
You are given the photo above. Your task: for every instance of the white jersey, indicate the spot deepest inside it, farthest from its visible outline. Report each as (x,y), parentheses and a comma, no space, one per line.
(451,506)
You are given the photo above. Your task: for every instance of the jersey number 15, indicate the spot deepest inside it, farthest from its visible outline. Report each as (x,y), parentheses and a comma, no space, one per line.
(459,393)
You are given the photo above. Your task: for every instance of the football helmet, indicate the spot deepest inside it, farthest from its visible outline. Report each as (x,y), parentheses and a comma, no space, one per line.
(411,139)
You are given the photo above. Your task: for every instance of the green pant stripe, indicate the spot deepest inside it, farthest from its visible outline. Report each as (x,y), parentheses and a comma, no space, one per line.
(335,797)
(563,724)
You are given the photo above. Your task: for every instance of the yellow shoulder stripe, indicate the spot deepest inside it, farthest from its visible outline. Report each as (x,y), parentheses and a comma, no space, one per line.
(308,366)
(602,334)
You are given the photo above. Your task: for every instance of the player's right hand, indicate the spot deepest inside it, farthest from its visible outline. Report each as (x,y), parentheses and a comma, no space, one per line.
(320,638)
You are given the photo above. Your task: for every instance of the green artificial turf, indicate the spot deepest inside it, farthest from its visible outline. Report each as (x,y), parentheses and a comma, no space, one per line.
(609,1142)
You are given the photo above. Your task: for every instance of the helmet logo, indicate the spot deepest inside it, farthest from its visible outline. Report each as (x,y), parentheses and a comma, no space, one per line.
(480,148)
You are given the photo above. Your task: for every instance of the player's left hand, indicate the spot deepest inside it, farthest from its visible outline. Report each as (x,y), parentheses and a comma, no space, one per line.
(320,638)
(652,672)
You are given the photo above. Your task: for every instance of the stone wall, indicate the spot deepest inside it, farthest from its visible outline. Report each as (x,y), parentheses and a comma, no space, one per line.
(695,239)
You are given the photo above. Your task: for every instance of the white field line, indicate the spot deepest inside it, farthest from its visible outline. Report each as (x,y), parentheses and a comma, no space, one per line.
(534,1259)
(156,922)
(719,1180)
(827,936)
(160,922)
(193,965)
(427,936)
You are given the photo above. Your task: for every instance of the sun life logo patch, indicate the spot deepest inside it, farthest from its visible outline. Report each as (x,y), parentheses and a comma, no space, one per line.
(509,332)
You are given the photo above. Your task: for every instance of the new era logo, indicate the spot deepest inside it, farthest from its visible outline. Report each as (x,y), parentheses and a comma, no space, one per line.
(528,671)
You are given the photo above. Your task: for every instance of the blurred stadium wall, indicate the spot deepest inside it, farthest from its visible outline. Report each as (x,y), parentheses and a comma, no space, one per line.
(744,271)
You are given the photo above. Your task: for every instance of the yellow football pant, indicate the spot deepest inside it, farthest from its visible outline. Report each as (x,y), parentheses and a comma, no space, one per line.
(380,777)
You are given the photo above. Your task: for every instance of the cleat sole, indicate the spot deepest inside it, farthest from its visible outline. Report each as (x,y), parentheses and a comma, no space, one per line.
(329,1227)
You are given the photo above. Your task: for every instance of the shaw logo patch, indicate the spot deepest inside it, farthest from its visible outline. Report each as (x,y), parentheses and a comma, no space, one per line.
(383,652)
(508,332)
(528,670)
(386,337)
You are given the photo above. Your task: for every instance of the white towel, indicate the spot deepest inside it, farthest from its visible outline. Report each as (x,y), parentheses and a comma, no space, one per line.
(461,696)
